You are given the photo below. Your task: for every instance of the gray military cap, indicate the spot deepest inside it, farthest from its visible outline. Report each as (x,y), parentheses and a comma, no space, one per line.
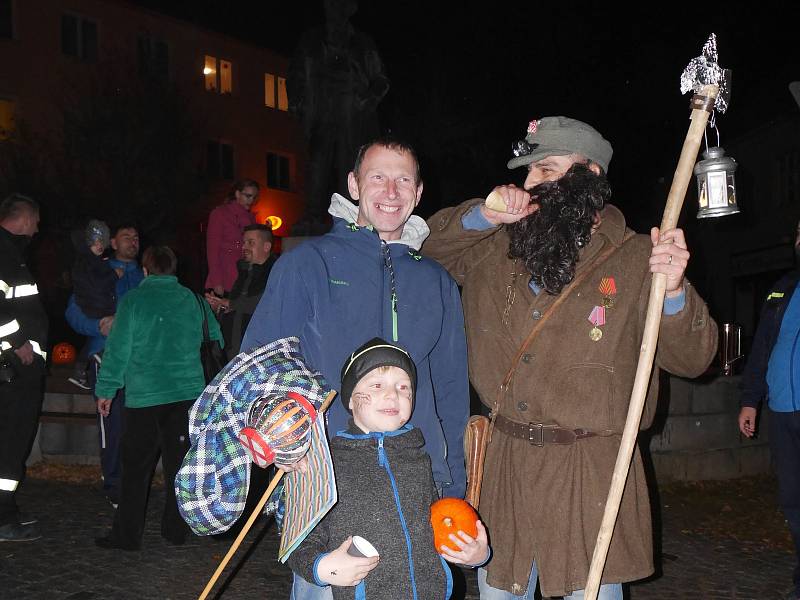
(559,136)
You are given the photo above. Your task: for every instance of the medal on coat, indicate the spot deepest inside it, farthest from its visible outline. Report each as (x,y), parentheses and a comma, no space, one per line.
(598,319)
(608,288)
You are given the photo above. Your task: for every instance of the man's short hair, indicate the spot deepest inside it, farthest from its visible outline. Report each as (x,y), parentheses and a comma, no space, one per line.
(264,230)
(15,205)
(160,260)
(392,143)
(117,227)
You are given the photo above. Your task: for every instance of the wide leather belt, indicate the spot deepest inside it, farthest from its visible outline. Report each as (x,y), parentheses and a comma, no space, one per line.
(539,434)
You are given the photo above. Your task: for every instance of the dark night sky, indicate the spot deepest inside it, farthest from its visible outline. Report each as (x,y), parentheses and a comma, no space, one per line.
(467,77)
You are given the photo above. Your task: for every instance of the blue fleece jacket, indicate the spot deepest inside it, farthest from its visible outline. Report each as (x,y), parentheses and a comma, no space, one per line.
(132,275)
(335,294)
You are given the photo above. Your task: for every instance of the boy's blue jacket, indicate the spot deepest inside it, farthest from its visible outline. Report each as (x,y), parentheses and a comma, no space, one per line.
(132,276)
(335,294)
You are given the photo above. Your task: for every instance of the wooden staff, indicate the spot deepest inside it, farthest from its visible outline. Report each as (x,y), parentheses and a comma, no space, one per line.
(254,515)
(680,182)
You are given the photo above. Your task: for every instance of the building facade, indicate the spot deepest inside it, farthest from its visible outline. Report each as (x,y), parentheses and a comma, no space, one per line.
(234,91)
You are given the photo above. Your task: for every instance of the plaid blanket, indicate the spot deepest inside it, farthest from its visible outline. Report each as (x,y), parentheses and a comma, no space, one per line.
(211,486)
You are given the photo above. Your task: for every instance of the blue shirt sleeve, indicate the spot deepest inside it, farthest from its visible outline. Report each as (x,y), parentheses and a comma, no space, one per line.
(79,321)
(672,306)
(475,220)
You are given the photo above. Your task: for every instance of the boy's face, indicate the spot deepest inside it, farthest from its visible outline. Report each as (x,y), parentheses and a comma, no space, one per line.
(381,400)
(97,247)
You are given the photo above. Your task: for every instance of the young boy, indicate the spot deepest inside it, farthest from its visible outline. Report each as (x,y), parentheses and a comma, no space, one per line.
(94,284)
(93,280)
(385,486)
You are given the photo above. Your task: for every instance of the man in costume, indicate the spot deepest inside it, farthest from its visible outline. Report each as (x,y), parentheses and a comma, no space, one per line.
(367,279)
(771,370)
(23,329)
(555,292)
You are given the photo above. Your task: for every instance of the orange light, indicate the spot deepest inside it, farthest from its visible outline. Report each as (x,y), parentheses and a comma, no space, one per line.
(208,71)
(274,222)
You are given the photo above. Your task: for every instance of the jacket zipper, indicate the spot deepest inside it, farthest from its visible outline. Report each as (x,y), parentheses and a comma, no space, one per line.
(384,462)
(387,265)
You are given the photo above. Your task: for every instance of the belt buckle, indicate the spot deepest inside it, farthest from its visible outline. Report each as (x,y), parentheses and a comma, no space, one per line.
(532,428)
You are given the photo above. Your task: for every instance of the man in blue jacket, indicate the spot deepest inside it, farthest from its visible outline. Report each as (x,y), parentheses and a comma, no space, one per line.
(773,374)
(365,279)
(125,243)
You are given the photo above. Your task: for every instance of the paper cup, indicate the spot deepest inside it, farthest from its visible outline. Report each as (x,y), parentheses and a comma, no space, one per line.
(361,548)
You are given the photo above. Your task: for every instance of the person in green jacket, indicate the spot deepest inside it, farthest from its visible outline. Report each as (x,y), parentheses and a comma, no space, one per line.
(153,351)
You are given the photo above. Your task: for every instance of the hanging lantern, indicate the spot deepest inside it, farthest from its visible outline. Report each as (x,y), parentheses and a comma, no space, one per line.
(716,186)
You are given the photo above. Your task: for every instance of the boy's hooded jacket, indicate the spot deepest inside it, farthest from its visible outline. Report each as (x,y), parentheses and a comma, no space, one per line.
(335,293)
(385,493)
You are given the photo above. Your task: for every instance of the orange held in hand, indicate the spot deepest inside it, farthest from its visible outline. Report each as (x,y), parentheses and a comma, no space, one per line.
(451,515)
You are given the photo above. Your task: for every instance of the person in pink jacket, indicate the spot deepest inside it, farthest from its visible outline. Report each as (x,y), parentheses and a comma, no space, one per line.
(224,235)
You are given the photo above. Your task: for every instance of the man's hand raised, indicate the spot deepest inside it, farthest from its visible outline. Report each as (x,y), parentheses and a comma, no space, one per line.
(518,205)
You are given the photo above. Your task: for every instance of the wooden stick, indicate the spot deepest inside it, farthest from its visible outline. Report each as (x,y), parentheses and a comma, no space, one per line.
(680,182)
(254,515)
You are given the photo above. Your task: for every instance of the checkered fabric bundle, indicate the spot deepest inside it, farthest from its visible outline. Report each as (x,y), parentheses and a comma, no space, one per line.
(211,486)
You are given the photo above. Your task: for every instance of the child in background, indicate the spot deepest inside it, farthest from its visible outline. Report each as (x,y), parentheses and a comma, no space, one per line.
(94,283)
(385,488)
(93,280)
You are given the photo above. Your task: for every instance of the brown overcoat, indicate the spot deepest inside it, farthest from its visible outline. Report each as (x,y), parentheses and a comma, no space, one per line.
(546,503)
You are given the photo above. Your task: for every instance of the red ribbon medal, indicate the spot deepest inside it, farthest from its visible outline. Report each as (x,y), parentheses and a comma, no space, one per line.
(608,287)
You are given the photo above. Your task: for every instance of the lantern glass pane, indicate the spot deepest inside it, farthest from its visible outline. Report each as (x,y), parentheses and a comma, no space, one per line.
(717,189)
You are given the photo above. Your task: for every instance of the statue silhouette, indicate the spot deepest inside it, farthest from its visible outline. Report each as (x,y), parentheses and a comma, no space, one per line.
(336,81)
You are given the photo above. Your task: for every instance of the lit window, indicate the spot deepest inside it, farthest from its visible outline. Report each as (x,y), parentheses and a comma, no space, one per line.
(225,77)
(219,160)
(218,79)
(275,96)
(269,90)
(278,172)
(210,73)
(7,112)
(283,100)
(79,37)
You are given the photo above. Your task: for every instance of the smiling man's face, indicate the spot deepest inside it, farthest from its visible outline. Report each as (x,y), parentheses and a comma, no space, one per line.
(387,190)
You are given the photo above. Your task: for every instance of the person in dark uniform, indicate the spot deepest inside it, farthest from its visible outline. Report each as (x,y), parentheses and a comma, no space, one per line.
(23,331)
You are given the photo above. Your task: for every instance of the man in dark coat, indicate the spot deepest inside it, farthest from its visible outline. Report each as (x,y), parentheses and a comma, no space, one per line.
(23,340)
(254,269)
(769,377)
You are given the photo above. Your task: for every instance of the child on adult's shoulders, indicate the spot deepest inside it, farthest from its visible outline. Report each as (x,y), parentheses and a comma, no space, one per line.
(385,489)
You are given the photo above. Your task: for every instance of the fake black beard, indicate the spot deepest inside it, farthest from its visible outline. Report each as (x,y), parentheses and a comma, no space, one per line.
(549,241)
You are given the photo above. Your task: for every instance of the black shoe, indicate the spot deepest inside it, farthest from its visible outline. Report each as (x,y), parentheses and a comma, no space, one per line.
(109,543)
(17,532)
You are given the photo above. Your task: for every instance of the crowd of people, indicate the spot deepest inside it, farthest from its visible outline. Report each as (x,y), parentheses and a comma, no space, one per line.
(554,289)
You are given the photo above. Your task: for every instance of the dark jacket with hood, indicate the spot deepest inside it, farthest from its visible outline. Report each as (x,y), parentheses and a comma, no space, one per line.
(335,294)
(94,282)
(22,316)
(385,492)
(754,377)
(244,298)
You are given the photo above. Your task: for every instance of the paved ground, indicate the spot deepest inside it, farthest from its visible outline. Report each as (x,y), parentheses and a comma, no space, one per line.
(696,564)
